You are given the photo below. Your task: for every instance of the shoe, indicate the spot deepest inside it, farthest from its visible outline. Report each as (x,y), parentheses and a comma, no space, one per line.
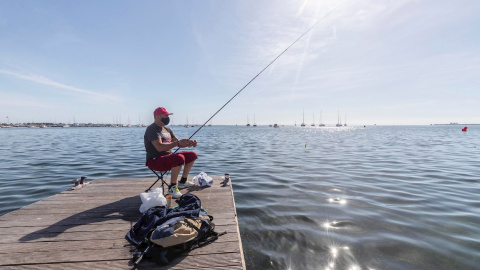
(187,184)
(174,192)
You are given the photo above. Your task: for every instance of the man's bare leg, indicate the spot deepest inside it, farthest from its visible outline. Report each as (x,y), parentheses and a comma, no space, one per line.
(186,170)
(175,173)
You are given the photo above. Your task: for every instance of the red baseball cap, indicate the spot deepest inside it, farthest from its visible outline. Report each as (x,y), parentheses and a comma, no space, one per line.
(160,110)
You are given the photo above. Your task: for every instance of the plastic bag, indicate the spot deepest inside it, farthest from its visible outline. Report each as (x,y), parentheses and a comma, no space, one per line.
(203,180)
(151,199)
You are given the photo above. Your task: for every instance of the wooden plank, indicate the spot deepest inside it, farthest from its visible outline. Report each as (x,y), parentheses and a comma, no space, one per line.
(118,198)
(91,210)
(80,219)
(55,252)
(100,234)
(106,225)
(113,202)
(133,190)
(132,199)
(61,256)
(114,265)
(87,244)
(85,229)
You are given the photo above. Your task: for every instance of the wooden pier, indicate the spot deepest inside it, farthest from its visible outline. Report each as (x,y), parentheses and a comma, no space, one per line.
(85,229)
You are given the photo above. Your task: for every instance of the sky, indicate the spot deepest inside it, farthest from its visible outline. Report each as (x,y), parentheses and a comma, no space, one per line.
(385,62)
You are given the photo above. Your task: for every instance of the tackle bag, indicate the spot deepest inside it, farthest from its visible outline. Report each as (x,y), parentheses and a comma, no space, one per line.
(163,233)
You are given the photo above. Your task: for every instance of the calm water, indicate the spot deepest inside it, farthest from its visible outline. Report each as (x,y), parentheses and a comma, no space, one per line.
(353,198)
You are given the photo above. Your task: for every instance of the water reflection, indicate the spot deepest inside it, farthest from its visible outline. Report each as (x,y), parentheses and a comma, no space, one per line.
(337,200)
(381,197)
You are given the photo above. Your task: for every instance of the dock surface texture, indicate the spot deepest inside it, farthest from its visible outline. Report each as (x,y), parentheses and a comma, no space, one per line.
(85,229)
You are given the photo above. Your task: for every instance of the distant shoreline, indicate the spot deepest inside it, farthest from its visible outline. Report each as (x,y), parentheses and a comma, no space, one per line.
(62,125)
(456,124)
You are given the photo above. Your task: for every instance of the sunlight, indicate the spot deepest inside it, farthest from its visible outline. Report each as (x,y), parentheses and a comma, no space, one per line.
(334,252)
(314,19)
(354,267)
(302,7)
(290,266)
(330,265)
(328,225)
(337,200)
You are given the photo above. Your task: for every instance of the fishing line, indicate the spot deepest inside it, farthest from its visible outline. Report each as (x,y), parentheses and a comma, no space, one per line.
(263,70)
(245,86)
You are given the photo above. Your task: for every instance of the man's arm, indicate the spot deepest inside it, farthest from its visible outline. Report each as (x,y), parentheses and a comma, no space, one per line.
(162,147)
(174,138)
(167,146)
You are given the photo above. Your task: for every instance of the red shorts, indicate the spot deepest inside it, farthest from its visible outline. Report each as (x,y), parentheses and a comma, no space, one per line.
(165,163)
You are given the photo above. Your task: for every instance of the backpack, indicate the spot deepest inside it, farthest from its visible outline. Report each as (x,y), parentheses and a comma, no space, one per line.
(163,233)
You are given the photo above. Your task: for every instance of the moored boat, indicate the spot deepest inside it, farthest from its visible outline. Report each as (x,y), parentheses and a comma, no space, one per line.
(339,123)
(303,121)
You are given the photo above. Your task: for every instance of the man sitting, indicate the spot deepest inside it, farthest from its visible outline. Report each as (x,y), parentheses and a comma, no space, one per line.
(159,141)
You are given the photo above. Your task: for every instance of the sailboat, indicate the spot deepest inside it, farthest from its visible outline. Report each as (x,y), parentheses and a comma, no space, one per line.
(313,124)
(254,124)
(186,124)
(339,124)
(303,122)
(321,124)
(67,125)
(248,122)
(140,124)
(345,120)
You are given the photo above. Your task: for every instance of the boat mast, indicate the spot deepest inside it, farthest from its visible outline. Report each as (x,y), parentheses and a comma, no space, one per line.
(338,123)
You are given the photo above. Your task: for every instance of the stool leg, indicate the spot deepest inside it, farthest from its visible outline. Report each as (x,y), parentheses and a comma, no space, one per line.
(159,177)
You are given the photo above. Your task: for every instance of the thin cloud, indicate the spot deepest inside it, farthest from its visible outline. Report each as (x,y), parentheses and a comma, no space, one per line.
(265,39)
(45,81)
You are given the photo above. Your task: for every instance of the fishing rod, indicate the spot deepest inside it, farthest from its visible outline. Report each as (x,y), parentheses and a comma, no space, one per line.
(245,86)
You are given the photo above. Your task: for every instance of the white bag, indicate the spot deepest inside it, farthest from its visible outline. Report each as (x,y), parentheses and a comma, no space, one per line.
(151,199)
(203,180)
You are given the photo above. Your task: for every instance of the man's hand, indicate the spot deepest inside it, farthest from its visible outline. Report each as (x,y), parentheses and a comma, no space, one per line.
(193,143)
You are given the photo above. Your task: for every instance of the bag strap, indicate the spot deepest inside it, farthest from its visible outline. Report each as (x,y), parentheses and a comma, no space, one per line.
(191,225)
(138,256)
(212,238)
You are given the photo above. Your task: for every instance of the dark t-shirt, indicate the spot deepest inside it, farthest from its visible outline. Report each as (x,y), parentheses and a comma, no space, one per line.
(154,133)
